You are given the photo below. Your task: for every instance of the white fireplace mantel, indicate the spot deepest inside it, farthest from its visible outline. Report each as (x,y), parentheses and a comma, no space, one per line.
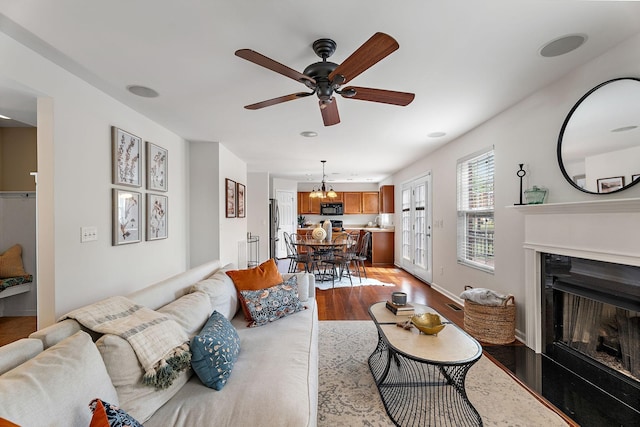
(604,230)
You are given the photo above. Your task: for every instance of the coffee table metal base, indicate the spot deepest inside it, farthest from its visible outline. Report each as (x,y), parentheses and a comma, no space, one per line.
(416,393)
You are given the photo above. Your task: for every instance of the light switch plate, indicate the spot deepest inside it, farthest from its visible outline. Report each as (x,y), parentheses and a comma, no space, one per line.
(88,234)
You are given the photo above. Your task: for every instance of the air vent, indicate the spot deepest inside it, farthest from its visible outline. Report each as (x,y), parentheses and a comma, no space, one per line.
(454,307)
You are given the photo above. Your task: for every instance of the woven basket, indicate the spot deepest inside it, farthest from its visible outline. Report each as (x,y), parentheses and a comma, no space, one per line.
(491,324)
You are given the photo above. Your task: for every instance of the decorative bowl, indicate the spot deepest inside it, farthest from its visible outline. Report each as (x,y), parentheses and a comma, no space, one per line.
(428,323)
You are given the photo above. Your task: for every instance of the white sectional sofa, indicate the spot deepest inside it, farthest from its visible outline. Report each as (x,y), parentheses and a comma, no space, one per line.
(49,378)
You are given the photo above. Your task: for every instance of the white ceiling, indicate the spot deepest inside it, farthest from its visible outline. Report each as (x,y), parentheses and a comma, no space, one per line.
(466,61)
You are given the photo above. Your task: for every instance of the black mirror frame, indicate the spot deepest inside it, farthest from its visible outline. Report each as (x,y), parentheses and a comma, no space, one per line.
(562,130)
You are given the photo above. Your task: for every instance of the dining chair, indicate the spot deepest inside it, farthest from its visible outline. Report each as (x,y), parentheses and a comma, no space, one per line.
(303,254)
(340,262)
(363,251)
(292,254)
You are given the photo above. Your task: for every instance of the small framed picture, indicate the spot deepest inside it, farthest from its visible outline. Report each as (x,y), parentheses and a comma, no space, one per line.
(608,185)
(127,157)
(580,180)
(157,219)
(230,198)
(634,177)
(126,216)
(240,197)
(157,158)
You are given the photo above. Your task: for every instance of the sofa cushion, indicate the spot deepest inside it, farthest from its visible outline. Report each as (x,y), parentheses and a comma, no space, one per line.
(11,262)
(55,386)
(190,311)
(274,380)
(18,352)
(214,351)
(108,415)
(270,304)
(6,423)
(126,373)
(221,291)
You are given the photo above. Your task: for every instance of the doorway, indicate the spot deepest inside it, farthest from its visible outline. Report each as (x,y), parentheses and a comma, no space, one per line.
(416,228)
(287,206)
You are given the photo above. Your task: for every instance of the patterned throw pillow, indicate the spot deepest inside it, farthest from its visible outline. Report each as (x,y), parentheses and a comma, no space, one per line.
(276,302)
(108,415)
(214,351)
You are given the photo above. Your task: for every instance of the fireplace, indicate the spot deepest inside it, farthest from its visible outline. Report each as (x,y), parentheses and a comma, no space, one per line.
(591,322)
(582,381)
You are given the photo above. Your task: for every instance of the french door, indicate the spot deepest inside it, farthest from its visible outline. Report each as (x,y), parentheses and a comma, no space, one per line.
(416,228)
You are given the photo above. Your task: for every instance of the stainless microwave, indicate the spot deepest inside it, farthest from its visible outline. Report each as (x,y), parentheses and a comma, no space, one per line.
(331,209)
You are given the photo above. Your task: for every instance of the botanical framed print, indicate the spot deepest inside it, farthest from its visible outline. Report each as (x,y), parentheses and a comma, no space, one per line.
(157,168)
(126,216)
(230,198)
(157,219)
(127,157)
(240,197)
(607,185)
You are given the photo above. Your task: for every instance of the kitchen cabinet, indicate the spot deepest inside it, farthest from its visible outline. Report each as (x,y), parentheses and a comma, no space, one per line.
(370,202)
(352,202)
(311,205)
(382,247)
(387,199)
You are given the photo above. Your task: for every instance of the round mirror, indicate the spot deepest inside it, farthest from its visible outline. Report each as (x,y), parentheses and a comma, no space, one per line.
(599,143)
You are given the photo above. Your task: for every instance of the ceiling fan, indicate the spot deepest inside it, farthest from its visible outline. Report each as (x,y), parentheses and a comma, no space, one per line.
(326,78)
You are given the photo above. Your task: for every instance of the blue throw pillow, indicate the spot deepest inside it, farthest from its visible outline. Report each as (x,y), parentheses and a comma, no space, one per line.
(276,302)
(214,351)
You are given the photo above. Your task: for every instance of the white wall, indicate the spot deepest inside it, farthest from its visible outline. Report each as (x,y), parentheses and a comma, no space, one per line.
(74,189)
(525,133)
(258,210)
(233,231)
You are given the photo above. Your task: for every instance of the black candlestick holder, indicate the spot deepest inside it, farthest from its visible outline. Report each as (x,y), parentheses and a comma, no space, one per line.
(521,173)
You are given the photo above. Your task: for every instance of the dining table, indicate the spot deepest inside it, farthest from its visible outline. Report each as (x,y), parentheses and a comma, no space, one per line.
(319,250)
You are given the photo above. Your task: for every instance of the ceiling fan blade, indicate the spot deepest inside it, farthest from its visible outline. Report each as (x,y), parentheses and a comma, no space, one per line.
(373,50)
(279,100)
(263,61)
(329,112)
(379,95)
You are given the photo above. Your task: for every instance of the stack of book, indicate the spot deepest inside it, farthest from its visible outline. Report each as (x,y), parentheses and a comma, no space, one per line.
(400,310)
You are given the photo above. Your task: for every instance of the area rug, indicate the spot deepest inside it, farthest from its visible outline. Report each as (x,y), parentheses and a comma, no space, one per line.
(348,396)
(344,283)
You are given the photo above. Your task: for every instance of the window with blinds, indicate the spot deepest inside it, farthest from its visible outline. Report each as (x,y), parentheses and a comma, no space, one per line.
(475,210)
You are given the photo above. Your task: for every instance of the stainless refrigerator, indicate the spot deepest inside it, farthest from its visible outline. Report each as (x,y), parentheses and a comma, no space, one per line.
(274,226)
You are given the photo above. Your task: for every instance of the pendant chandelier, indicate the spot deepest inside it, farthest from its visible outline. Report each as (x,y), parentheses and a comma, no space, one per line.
(322,193)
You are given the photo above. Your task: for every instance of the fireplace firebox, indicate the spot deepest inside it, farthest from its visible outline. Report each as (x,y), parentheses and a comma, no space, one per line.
(591,323)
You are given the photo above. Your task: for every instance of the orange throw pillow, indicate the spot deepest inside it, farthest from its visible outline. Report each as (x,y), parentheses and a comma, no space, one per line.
(7,423)
(99,418)
(11,263)
(263,276)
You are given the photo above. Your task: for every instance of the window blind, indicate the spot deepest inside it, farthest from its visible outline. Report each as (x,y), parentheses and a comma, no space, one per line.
(475,200)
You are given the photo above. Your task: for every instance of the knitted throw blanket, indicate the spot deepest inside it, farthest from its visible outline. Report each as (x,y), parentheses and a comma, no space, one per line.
(161,345)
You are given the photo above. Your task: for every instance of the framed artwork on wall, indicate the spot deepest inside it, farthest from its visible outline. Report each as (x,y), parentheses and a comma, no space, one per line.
(157,167)
(634,177)
(126,216)
(240,196)
(127,157)
(157,217)
(230,198)
(607,185)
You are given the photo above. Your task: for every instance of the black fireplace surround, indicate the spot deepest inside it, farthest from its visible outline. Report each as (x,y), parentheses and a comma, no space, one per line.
(591,329)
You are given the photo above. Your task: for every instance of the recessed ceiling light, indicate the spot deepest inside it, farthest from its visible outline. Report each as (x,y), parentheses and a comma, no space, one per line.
(4,117)
(143,91)
(562,45)
(436,134)
(309,134)
(624,129)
